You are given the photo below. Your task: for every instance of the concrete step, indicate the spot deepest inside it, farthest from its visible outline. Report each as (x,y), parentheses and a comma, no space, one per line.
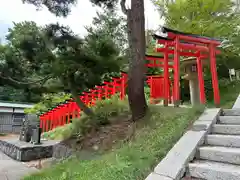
(191,178)
(229,119)
(223,140)
(214,171)
(228,129)
(231,112)
(220,154)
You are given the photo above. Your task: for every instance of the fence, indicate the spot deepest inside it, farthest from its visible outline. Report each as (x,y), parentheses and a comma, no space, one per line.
(64,113)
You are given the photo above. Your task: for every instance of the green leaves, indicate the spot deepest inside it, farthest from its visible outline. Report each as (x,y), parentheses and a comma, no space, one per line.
(59,57)
(57,7)
(48,101)
(205,17)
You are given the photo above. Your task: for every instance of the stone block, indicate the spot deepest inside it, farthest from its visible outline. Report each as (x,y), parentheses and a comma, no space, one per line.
(154,176)
(226,129)
(61,151)
(174,164)
(22,151)
(214,171)
(231,112)
(229,119)
(220,154)
(206,120)
(223,140)
(210,114)
(237,103)
(202,125)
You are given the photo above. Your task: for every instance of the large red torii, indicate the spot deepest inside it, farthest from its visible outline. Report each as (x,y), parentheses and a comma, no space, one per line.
(179,44)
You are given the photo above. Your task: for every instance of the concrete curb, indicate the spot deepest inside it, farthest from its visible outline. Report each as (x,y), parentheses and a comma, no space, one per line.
(207,119)
(237,103)
(173,166)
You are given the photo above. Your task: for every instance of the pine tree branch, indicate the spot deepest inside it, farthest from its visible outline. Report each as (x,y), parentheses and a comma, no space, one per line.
(24,83)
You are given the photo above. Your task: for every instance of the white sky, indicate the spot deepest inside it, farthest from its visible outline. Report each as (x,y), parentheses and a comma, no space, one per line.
(81,15)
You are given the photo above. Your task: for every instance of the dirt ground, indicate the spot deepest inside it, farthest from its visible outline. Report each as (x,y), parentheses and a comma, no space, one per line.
(8,136)
(104,138)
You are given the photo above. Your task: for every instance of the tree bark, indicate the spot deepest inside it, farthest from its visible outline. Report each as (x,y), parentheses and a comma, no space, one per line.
(136,37)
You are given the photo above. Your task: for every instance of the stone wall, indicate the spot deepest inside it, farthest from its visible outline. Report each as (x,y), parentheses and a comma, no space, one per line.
(26,153)
(61,151)
(10,150)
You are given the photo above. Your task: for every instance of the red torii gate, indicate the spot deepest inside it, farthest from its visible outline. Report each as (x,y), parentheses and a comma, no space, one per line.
(179,44)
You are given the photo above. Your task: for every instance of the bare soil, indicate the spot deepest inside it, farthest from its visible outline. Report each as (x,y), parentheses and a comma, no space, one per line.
(106,137)
(9,136)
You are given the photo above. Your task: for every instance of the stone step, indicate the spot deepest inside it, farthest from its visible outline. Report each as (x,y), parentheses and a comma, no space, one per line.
(231,112)
(220,154)
(223,140)
(226,129)
(229,119)
(190,178)
(214,171)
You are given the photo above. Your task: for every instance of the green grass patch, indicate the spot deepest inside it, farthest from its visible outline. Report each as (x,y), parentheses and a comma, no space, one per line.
(229,92)
(133,160)
(2,134)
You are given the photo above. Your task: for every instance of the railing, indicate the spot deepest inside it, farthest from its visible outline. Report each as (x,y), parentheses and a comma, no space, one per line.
(64,113)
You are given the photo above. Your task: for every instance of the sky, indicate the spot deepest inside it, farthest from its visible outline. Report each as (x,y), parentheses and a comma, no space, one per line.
(81,15)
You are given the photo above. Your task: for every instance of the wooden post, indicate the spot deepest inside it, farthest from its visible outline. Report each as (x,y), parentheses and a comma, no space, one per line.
(176,95)
(166,76)
(200,79)
(214,75)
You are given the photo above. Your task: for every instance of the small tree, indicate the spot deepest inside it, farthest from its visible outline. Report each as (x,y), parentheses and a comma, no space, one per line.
(136,39)
(58,58)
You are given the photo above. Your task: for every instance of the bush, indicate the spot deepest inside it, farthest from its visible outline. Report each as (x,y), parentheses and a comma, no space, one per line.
(2,134)
(48,101)
(103,110)
(147,92)
(109,107)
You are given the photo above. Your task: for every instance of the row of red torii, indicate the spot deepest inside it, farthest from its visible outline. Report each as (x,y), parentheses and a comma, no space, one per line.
(172,48)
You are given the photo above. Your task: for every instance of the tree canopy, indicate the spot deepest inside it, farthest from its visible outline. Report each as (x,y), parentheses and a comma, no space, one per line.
(53,59)
(219,19)
(55,43)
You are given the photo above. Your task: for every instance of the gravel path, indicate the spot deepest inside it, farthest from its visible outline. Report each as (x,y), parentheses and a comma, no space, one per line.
(11,169)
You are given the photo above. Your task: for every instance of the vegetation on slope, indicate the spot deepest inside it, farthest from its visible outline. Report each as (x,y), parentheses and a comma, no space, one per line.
(103,111)
(229,91)
(133,159)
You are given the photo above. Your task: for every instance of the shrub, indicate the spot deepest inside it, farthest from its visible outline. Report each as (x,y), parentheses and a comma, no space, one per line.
(2,134)
(109,107)
(47,101)
(103,111)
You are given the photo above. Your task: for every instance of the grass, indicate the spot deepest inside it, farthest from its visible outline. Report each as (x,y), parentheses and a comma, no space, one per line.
(133,160)
(229,92)
(2,134)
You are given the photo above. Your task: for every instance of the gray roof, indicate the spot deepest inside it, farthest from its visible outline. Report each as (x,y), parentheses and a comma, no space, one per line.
(15,105)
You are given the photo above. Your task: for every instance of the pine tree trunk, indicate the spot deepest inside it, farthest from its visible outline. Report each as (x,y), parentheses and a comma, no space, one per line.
(136,37)
(81,104)
(76,98)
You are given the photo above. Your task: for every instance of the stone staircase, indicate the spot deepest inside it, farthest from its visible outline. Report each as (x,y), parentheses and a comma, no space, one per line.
(219,157)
